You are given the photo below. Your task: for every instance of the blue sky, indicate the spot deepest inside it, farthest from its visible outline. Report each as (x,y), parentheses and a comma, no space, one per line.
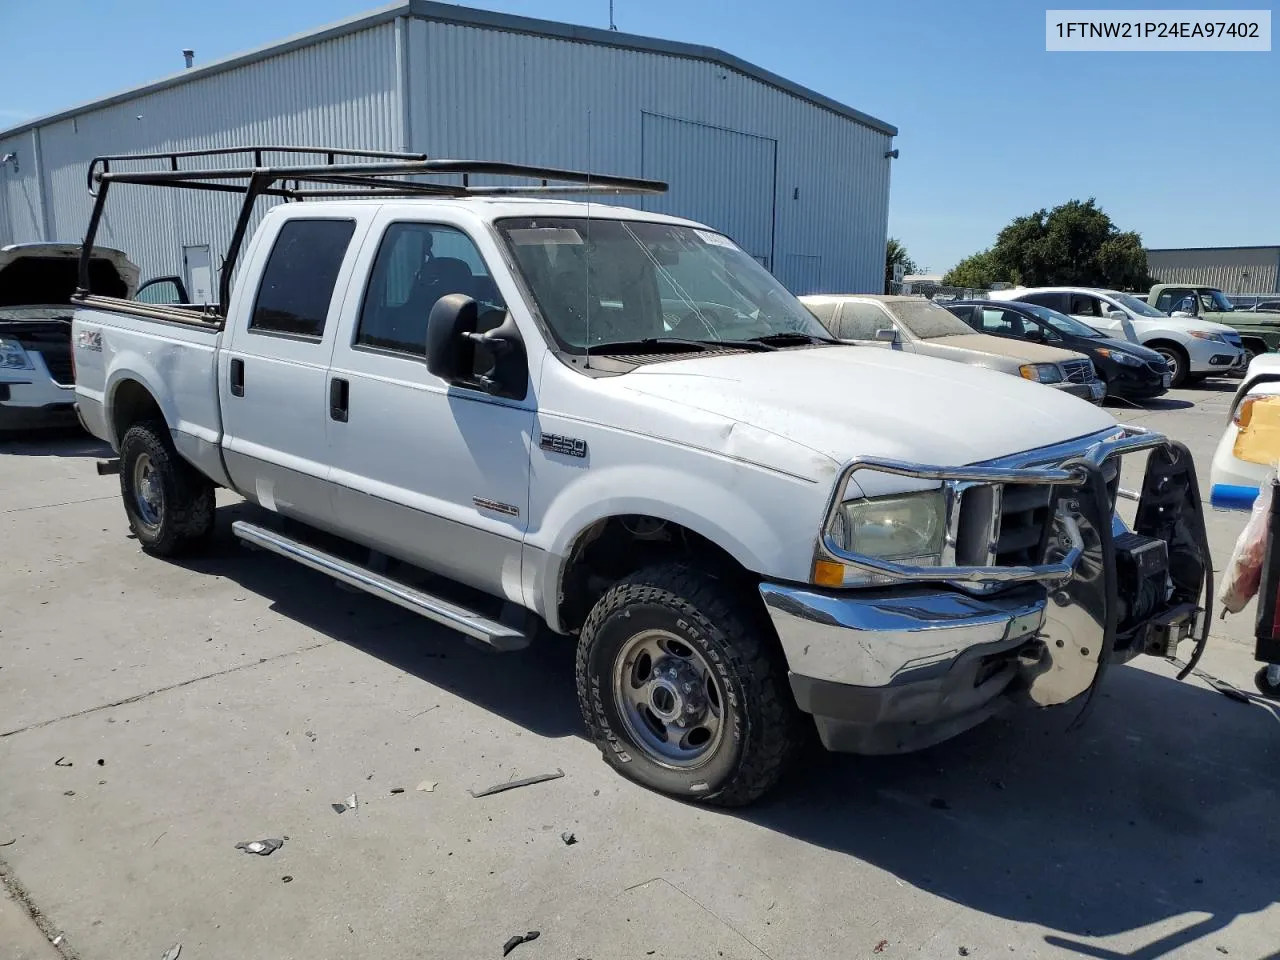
(1182,147)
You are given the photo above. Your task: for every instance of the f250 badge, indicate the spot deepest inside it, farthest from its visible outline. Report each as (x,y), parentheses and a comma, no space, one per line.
(569,446)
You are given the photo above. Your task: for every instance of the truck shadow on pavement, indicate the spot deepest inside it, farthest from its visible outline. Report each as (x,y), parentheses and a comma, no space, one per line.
(1164,804)
(71,442)
(533,687)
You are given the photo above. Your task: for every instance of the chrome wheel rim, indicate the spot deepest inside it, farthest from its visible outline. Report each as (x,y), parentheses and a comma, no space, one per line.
(670,700)
(148,494)
(1173,362)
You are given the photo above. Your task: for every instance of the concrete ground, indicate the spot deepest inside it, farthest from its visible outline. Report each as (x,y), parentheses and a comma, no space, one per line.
(154,714)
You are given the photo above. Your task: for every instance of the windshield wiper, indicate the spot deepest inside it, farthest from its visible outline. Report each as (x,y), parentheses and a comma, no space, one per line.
(783,339)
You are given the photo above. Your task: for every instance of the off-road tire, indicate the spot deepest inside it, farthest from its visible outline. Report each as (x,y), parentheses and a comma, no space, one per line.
(762,731)
(187,516)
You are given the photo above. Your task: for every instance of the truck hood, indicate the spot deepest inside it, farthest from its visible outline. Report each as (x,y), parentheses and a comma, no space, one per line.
(849,401)
(1018,351)
(48,273)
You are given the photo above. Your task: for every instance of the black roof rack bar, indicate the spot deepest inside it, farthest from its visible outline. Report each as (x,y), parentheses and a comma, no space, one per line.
(375,177)
(173,156)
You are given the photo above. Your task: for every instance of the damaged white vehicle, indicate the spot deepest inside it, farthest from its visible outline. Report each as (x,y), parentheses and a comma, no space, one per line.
(516,413)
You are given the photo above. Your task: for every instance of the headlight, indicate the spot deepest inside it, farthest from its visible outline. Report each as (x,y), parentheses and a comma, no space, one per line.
(1208,335)
(1126,359)
(1041,372)
(907,526)
(12,356)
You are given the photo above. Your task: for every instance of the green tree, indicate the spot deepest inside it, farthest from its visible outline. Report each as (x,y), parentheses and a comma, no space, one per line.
(895,255)
(1074,244)
(978,270)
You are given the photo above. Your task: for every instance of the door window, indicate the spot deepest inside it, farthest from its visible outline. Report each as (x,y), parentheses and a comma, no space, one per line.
(297,284)
(860,321)
(1002,323)
(1083,305)
(1053,300)
(416,265)
(162,290)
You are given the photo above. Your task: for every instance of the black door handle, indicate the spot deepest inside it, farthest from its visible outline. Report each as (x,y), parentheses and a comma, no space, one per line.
(237,378)
(339,394)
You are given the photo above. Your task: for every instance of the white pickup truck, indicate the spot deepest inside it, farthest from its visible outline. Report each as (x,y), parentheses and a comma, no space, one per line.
(516,413)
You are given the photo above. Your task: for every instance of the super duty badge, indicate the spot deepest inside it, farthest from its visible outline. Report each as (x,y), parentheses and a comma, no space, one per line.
(569,446)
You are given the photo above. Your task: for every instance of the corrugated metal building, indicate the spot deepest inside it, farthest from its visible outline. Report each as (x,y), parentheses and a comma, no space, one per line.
(799,180)
(1233,270)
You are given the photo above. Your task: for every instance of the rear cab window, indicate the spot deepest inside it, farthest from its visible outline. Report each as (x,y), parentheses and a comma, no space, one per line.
(297,285)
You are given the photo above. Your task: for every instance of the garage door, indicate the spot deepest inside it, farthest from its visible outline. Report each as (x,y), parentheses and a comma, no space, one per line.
(721,177)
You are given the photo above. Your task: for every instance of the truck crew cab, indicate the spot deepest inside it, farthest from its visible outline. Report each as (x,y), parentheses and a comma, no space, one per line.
(619,427)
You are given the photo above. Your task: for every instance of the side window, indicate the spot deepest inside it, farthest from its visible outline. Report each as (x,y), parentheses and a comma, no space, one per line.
(968,314)
(297,284)
(1054,301)
(416,265)
(1002,323)
(162,290)
(860,321)
(825,312)
(1165,301)
(1085,306)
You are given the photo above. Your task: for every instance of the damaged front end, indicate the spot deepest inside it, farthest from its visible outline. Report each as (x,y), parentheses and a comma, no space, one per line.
(1052,590)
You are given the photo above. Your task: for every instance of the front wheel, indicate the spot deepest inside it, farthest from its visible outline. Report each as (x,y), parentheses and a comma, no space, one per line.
(170,504)
(682,687)
(1177,362)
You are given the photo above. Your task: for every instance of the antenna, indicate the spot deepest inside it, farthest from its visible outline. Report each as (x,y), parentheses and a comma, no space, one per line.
(612,25)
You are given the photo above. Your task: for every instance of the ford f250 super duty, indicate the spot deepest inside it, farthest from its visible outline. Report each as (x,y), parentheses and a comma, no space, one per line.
(512,413)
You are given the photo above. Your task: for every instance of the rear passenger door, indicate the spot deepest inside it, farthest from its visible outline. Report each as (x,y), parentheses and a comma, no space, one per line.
(272,371)
(432,473)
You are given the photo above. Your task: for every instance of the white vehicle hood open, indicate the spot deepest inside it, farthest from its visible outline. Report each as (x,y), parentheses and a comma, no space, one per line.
(855,401)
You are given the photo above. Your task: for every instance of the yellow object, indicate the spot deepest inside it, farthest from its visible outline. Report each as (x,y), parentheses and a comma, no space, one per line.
(828,574)
(1259,438)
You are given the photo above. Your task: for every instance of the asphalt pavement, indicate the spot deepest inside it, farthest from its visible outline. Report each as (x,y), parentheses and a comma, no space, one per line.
(153,715)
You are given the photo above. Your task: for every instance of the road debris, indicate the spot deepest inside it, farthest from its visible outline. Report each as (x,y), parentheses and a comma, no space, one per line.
(518,939)
(964,951)
(512,784)
(427,786)
(880,947)
(311,736)
(568,838)
(58,939)
(287,878)
(349,804)
(263,848)
(101,762)
(62,762)
(172,952)
(397,789)
(68,793)
(8,843)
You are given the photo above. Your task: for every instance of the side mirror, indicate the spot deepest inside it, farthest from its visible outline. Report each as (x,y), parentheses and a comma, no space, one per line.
(1182,314)
(1117,315)
(887,335)
(452,344)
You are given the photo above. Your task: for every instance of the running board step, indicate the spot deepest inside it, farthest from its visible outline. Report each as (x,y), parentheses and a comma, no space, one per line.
(469,622)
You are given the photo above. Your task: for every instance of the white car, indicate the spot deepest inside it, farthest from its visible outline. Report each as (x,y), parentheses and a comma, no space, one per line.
(1238,468)
(1193,349)
(617,426)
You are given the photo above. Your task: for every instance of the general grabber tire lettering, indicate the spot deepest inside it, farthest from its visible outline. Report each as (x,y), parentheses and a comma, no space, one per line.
(683,687)
(169,503)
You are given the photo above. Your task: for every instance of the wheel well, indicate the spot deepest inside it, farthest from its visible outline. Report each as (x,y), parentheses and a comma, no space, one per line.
(1255,344)
(130,403)
(612,548)
(1171,344)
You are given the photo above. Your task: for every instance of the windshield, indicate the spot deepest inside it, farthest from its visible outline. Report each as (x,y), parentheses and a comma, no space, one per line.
(598,282)
(1140,307)
(926,319)
(1215,301)
(1061,322)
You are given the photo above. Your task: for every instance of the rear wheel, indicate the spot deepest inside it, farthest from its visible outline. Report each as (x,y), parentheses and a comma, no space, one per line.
(170,504)
(683,689)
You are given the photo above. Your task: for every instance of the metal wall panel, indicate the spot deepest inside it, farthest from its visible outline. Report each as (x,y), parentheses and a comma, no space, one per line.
(341,92)
(720,177)
(1232,270)
(515,96)
(19,191)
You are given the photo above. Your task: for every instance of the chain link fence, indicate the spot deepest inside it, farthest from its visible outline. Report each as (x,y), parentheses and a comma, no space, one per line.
(937,291)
